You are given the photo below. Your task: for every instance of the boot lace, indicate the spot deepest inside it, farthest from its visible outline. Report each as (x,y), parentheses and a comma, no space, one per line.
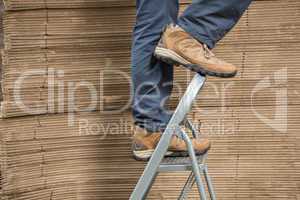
(207,52)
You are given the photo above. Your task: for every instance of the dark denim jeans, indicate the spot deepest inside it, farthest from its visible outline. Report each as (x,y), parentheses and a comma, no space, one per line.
(206,20)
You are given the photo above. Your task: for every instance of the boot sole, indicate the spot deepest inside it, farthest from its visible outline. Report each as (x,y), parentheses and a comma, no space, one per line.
(145,155)
(173,58)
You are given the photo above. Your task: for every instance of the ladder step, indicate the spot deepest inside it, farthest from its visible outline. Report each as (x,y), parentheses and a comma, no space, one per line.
(179,163)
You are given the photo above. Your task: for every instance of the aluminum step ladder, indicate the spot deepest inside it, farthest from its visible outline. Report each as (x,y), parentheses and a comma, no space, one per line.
(195,164)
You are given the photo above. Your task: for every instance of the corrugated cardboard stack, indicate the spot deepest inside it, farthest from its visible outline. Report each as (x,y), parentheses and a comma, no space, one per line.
(67,50)
(1,44)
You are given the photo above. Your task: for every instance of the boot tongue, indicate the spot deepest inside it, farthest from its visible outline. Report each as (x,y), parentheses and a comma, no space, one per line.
(191,47)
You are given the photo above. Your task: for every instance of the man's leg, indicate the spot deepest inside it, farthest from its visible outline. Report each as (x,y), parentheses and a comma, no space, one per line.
(209,20)
(152,78)
(202,24)
(152,81)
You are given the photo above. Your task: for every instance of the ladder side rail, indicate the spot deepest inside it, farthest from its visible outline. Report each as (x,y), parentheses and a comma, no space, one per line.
(191,126)
(187,187)
(209,184)
(195,166)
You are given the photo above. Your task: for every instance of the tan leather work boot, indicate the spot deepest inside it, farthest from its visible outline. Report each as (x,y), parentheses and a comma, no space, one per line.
(144,144)
(178,47)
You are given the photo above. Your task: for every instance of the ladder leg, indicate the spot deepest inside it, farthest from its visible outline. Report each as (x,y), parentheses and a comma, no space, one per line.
(184,106)
(195,166)
(144,184)
(209,184)
(149,188)
(187,187)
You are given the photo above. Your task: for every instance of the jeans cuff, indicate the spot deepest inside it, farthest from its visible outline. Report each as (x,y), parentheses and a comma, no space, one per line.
(151,127)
